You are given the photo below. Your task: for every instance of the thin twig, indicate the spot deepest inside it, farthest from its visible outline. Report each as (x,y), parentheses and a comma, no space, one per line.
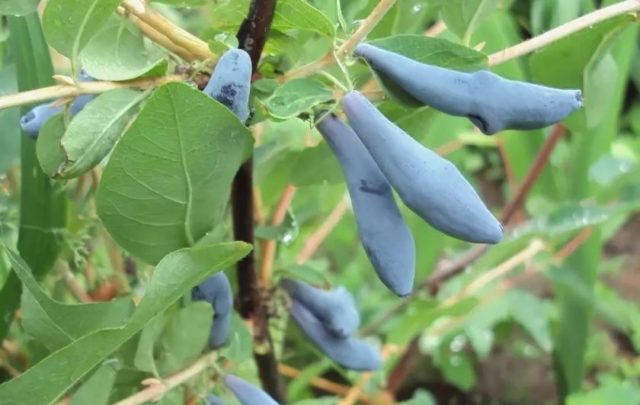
(317,238)
(436,29)
(564,30)
(156,390)
(269,246)
(76,289)
(177,35)
(356,390)
(535,247)
(12,371)
(534,172)
(74,90)
(367,25)
(156,36)
(572,245)
(402,367)
(449,269)
(322,383)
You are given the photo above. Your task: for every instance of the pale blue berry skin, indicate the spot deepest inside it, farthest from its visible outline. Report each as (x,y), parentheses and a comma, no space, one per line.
(230,83)
(491,102)
(217,291)
(34,120)
(214,400)
(336,308)
(383,232)
(349,352)
(428,184)
(247,393)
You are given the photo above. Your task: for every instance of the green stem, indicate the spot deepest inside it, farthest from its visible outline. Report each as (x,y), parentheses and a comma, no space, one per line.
(42,201)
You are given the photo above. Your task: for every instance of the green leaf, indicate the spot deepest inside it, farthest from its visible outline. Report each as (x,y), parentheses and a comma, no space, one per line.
(610,393)
(239,349)
(48,150)
(120,52)
(458,369)
(42,202)
(463,16)
(168,179)
(174,277)
(184,337)
(316,165)
(70,24)
(290,14)
(609,168)
(95,130)
(526,309)
(298,14)
(18,7)
(144,358)
(297,96)
(9,119)
(421,314)
(56,324)
(434,51)
(97,389)
(285,233)
(420,397)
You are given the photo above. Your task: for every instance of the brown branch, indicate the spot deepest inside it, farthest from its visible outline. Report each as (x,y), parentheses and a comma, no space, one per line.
(269,246)
(72,284)
(367,25)
(157,389)
(177,35)
(446,270)
(318,237)
(534,173)
(323,384)
(450,269)
(572,245)
(252,37)
(400,371)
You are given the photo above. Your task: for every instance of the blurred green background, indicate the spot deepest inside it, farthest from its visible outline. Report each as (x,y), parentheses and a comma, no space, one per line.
(549,315)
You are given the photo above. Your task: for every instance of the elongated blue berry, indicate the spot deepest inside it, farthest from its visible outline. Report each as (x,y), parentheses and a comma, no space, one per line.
(32,122)
(428,184)
(384,235)
(216,290)
(247,393)
(491,102)
(214,400)
(349,352)
(336,308)
(230,82)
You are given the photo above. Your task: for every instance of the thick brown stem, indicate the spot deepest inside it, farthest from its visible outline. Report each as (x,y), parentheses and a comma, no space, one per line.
(252,37)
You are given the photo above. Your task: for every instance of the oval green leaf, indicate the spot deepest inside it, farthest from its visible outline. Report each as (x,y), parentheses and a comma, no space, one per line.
(70,24)
(119,52)
(169,177)
(94,130)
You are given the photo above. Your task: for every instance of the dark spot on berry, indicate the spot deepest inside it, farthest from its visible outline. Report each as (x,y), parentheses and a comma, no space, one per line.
(373,190)
(227,95)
